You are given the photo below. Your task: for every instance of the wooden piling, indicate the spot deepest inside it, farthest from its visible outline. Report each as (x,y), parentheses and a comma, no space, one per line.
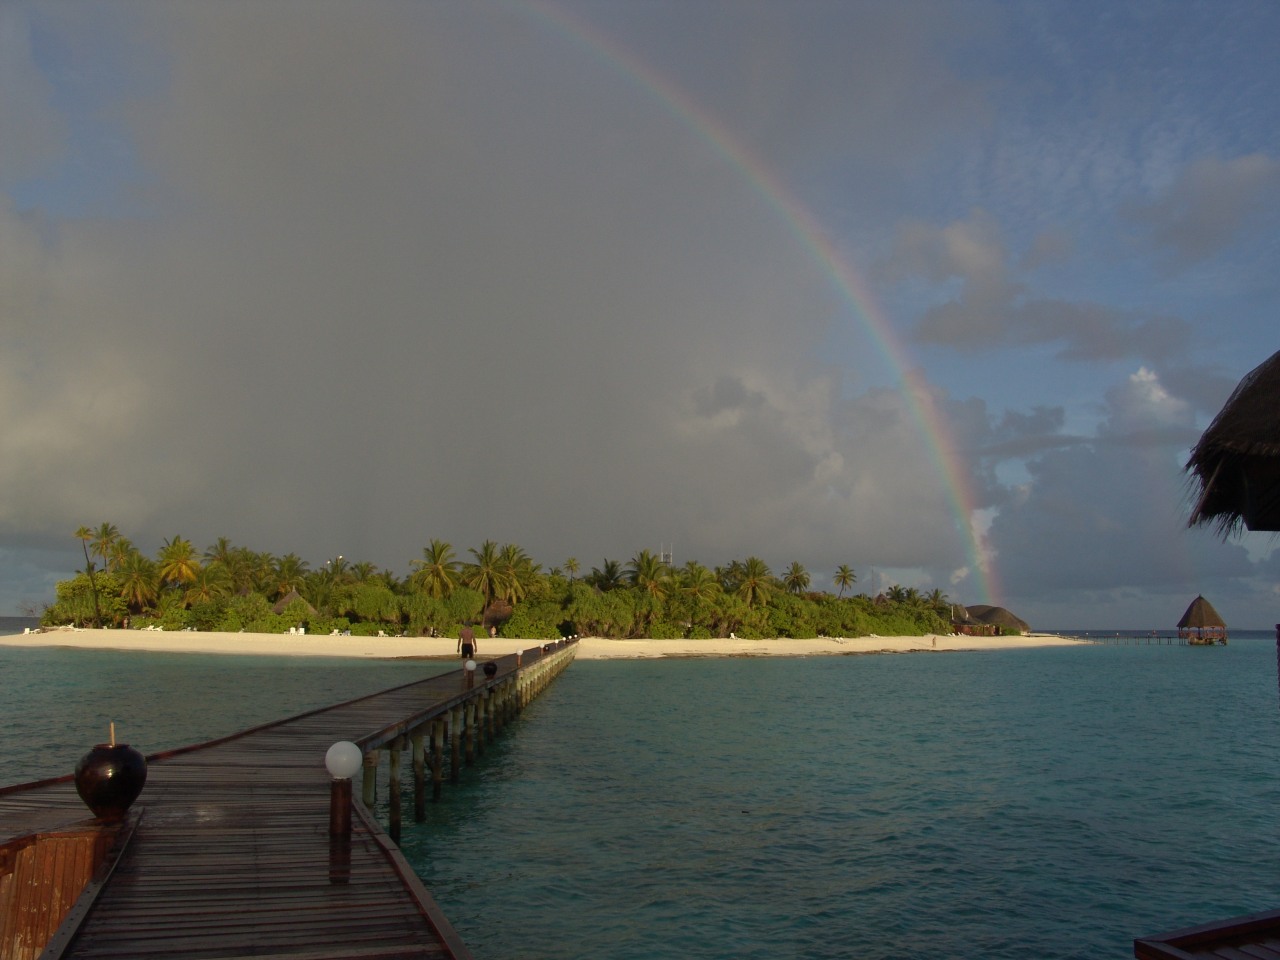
(455,743)
(437,758)
(369,777)
(419,776)
(393,791)
(469,731)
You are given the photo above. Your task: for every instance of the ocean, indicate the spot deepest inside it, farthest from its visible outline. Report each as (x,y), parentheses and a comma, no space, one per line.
(1050,803)
(59,701)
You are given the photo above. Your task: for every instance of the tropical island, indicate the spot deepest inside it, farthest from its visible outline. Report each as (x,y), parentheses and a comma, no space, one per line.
(499,589)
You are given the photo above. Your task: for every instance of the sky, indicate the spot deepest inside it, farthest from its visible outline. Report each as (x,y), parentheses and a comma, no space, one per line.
(944,291)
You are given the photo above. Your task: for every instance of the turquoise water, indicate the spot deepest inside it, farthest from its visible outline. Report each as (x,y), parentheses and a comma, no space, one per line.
(1046,803)
(58,702)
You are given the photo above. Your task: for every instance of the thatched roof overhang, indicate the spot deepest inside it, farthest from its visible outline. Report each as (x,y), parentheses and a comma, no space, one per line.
(1236,464)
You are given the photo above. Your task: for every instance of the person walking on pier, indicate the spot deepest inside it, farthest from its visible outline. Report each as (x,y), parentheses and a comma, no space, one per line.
(466,642)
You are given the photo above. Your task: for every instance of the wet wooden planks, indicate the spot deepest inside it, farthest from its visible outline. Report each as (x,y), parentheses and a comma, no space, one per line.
(1252,937)
(233,858)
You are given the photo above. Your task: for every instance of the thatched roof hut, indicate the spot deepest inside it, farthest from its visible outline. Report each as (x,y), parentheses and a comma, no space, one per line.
(998,617)
(1202,624)
(963,622)
(496,614)
(293,596)
(1236,464)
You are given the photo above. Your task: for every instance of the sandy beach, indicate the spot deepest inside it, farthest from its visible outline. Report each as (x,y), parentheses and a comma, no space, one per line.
(591,648)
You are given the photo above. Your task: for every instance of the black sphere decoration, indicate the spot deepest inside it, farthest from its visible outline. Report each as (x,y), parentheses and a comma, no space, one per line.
(490,669)
(109,778)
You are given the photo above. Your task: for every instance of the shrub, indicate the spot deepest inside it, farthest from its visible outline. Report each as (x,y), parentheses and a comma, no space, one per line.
(666,630)
(74,602)
(529,624)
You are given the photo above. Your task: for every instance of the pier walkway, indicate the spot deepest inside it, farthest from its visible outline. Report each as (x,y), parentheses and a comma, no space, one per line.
(232,855)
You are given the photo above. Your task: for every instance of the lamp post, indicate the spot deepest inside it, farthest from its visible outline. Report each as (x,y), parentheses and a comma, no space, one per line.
(471,673)
(342,761)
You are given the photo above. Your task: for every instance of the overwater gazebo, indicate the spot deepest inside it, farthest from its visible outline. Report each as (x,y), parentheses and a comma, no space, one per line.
(1201,624)
(1236,464)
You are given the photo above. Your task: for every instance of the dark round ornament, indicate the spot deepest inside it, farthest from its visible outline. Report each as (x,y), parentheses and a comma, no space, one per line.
(109,778)
(490,669)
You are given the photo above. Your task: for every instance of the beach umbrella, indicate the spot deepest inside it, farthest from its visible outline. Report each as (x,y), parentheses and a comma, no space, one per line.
(1236,464)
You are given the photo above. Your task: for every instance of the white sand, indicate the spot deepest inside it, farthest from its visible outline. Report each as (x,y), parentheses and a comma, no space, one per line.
(590,648)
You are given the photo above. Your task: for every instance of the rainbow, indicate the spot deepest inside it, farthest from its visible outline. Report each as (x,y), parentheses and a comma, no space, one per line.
(813,237)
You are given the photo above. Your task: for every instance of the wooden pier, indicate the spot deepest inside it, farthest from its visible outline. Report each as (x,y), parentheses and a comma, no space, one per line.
(1138,639)
(228,852)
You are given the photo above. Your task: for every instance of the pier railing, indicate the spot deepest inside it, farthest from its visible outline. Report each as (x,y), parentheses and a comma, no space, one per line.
(460,725)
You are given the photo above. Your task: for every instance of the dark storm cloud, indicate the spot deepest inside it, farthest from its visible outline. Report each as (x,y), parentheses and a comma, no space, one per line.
(402,281)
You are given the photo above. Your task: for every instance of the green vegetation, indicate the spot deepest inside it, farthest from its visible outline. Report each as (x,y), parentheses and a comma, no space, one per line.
(231,588)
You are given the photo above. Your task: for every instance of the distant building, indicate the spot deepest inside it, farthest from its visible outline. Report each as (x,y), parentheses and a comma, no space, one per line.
(1201,624)
(1001,619)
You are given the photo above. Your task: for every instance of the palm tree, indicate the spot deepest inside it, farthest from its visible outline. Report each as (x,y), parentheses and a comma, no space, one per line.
(647,571)
(338,566)
(363,571)
(103,539)
(606,577)
(178,563)
(289,573)
(796,579)
(220,551)
(518,573)
(121,549)
(484,574)
(844,578)
(700,586)
(756,583)
(730,576)
(261,568)
(242,564)
(698,583)
(897,593)
(319,588)
(572,567)
(138,581)
(211,582)
(85,535)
